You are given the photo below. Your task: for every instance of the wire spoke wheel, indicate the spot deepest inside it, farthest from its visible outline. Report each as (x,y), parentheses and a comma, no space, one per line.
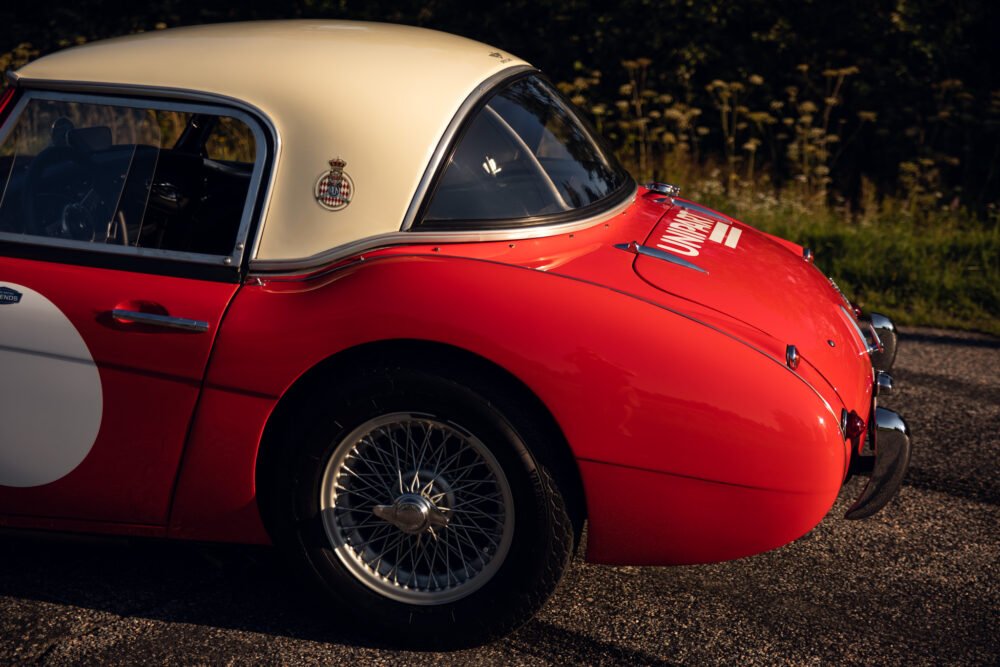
(416,508)
(421,504)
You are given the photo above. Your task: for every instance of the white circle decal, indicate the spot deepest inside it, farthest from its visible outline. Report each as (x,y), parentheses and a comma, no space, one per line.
(50,391)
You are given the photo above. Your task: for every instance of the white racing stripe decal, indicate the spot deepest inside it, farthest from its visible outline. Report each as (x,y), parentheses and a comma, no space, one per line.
(51,400)
(718,232)
(734,237)
(689,230)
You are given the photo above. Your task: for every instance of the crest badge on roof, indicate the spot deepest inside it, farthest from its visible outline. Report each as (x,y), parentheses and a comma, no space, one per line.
(335,189)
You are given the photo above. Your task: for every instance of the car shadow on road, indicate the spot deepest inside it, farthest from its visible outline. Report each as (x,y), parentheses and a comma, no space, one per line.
(236,588)
(228,586)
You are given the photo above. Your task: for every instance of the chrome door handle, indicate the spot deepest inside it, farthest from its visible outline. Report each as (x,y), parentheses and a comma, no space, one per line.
(152,319)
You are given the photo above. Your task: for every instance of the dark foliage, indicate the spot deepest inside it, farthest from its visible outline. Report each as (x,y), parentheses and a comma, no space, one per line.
(927,68)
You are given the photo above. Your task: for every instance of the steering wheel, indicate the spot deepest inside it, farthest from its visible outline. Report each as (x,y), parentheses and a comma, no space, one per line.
(79,219)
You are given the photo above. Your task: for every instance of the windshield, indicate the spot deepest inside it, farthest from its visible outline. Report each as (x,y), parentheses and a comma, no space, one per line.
(526,158)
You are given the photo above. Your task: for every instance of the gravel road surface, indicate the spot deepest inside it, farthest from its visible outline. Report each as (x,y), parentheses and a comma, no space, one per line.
(918,583)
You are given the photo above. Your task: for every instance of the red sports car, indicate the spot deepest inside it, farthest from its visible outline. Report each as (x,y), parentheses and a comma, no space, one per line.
(379,296)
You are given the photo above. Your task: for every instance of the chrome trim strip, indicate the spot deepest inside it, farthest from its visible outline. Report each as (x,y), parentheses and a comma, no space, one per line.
(704,211)
(291,266)
(478,93)
(874,340)
(636,248)
(153,319)
(886,332)
(179,97)
(865,343)
(648,302)
(723,332)
(120,250)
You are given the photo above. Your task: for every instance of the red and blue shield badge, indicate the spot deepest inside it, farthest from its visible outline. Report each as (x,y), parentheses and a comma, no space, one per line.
(335,189)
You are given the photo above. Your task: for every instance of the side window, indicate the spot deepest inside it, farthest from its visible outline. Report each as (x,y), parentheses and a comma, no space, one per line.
(525,156)
(124,175)
(230,141)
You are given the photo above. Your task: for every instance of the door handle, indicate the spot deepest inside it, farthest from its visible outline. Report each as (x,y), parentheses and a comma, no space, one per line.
(156,320)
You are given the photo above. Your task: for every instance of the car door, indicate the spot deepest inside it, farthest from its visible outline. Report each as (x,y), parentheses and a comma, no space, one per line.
(122,228)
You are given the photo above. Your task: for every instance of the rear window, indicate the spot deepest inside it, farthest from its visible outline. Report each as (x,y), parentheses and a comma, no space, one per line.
(120,174)
(526,157)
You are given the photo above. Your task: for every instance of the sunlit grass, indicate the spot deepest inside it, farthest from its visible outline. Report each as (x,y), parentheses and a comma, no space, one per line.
(943,270)
(913,253)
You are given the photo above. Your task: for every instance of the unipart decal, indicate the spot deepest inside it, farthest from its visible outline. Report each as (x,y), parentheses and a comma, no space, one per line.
(51,398)
(334,189)
(688,231)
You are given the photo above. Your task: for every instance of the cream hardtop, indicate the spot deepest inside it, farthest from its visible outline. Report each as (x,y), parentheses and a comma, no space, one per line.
(377,96)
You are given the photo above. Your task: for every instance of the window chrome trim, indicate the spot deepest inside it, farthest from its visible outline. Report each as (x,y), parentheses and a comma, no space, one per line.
(610,202)
(444,145)
(273,267)
(268,150)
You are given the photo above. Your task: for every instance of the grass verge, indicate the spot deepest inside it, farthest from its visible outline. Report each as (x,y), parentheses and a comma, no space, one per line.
(939,270)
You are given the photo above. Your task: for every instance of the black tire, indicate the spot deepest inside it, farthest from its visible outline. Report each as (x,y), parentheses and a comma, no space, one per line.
(512,583)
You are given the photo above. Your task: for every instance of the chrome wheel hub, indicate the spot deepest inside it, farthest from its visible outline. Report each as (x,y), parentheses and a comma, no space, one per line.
(412,514)
(417,508)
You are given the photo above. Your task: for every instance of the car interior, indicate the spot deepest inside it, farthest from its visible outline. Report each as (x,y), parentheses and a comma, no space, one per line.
(84,186)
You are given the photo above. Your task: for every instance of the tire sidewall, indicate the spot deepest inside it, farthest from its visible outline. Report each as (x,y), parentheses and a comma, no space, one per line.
(520,584)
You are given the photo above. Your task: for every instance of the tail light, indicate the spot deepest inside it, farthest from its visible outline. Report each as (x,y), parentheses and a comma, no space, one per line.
(855,425)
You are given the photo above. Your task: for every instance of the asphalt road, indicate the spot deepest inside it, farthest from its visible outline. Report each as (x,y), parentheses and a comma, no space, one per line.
(918,583)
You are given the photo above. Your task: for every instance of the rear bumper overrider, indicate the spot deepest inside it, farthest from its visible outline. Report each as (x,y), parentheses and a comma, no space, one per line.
(888,434)
(883,352)
(890,438)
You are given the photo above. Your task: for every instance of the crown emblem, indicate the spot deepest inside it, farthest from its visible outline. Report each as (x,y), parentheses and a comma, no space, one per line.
(337,166)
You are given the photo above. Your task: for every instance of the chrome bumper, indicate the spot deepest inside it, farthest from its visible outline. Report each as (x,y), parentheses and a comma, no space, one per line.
(887,431)
(883,345)
(890,438)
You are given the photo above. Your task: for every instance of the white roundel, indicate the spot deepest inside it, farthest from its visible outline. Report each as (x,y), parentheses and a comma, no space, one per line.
(50,391)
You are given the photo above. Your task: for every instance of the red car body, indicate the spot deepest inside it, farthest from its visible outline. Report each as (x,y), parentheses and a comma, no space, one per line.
(710,389)
(625,378)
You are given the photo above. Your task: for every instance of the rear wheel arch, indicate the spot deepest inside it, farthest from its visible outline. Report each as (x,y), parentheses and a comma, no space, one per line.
(455,363)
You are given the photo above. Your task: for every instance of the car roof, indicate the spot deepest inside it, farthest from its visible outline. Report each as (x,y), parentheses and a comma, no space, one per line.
(379,96)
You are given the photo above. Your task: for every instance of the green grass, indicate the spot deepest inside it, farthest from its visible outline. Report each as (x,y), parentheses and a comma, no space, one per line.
(906,248)
(940,270)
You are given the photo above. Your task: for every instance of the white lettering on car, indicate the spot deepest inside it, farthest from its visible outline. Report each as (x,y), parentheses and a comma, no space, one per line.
(687,232)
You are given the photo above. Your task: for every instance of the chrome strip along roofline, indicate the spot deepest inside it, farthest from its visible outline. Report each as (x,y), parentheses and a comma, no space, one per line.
(386,134)
(407,235)
(291,266)
(403,237)
(444,145)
